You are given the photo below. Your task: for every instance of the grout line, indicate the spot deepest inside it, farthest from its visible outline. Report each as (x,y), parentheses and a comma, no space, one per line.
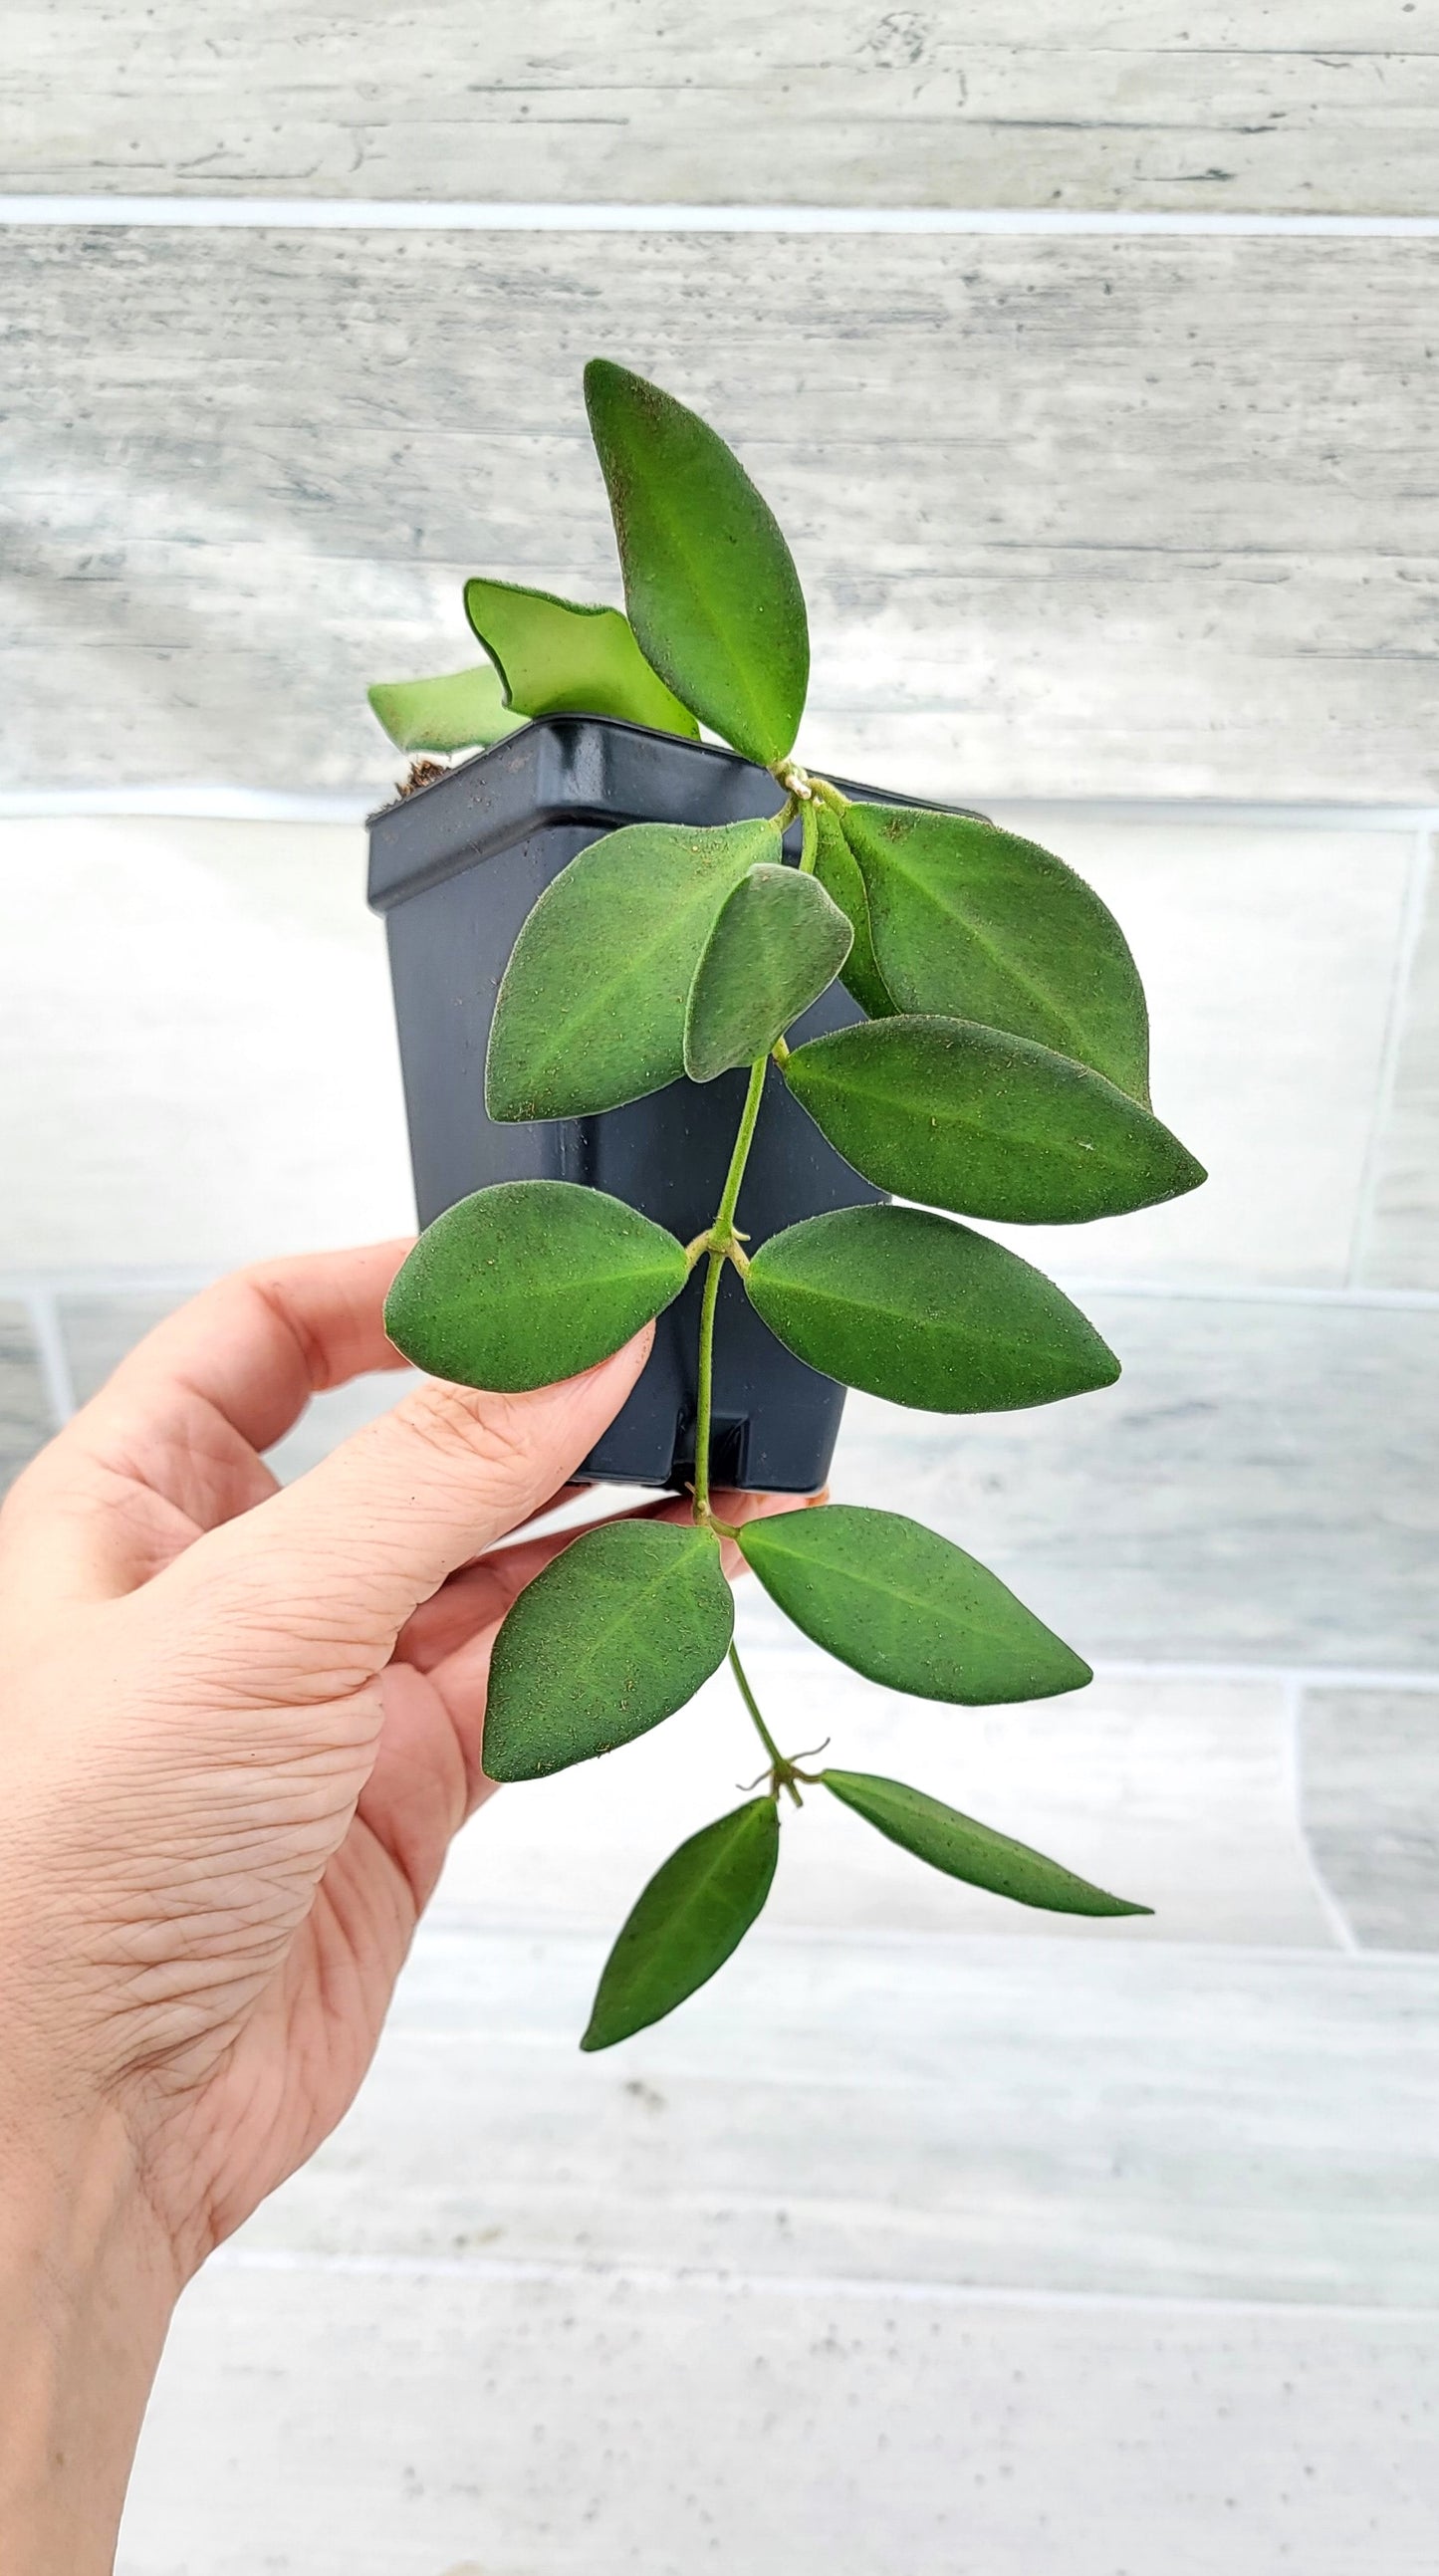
(1247,1292)
(1188,1668)
(400,214)
(966,2295)
(1329,1905)
(198,804)
(53,1356)
(1411,931)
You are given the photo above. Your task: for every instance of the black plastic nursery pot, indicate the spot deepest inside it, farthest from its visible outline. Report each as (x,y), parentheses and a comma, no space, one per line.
(455,868)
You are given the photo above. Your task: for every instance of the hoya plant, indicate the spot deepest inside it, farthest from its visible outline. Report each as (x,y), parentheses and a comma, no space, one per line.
(998,1070)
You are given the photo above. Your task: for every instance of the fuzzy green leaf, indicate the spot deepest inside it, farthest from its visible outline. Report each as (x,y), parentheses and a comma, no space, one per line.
(838,872)
(979,924)
(965,1849)
(695,1911)
(905,1607)
(591,1011)
(460,712)
(777,945)
(972,1119)
(918,1309)
(710,586)
(528,1282)
(564,657)
(616,1634)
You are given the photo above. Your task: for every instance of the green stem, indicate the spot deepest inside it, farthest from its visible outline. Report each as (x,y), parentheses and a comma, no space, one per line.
(778,1764)
(809,837)
(722,1248)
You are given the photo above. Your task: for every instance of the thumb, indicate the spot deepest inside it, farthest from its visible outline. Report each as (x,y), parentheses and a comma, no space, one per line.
(330,1569)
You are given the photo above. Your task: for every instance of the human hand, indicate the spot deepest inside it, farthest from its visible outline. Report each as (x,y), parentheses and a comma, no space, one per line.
(240,1727)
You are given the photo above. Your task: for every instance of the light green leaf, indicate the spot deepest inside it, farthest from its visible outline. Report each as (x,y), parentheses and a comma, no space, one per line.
(907,1608)
(969,1118)
(616,1634)
(591,1011)
(564,657)
(695,1911)
(838,872)
(977,923)
(918,1309)
(710,586)
(528,1282)
(777,945)
(964,1849)
(458,713)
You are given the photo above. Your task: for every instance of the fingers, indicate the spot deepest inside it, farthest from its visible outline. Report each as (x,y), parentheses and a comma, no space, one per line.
(310,1591)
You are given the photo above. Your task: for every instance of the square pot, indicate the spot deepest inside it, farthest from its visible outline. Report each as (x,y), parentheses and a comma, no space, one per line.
(455,869)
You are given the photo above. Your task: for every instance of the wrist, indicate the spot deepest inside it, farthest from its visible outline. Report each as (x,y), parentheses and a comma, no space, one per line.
(87,2288)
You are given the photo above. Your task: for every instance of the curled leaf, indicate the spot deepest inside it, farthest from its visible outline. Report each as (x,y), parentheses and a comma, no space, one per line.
(777,945)
(962,1848)
(565,657)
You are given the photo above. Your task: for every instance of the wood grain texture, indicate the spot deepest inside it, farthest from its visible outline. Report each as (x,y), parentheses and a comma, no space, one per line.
(1283,107)
(1400,1244)
(1106,516)
(1371,1806)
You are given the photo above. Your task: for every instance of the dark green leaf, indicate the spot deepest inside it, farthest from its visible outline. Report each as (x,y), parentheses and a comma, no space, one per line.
(528,1282)
(591,1011)
(775,947)
(457,713)
(563,657)
(964,1849)
(977,923)
(915,1308)
(905,1607)
(838,872)
(972,1119)
(695,1911)
(617,1633)
(712,592)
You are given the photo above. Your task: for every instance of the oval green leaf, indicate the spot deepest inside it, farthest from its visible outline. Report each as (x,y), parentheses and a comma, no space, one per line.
(777,945)
(985,926)
(915,1308)
(616,1634)
(838,872)
(710,586)
(591,1010)
(694,1913)
(972,1119)
(564,657)
(460,712)
(906,1607)
(529,1282)
(965,1849)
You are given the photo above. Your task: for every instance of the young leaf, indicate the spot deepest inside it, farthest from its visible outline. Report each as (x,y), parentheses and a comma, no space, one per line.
(616,1634)
(695,1911)
(777,945)
(530,1281)
(457,713)
(969,1118)
(912,1307)
(563,657)
(711,589)
(964,1849)
(838,872)
(975,922)
(591,1011)
(905,1607)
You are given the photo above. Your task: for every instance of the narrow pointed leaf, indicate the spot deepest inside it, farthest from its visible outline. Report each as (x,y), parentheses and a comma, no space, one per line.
(907,1608)
(591,1011)
(982,925)
(460,712)
(616,1634)
(838,872)
(972,1119)
(913,1307)
(962,1848)
(528,1282)
(564,657)
(777,945)
(694,1913)
(710,586)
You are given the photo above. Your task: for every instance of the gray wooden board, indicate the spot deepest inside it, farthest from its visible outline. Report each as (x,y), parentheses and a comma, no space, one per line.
(1075,515)
(1161,105)
(25,1423)
(1401,1244)
(1371,1809)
